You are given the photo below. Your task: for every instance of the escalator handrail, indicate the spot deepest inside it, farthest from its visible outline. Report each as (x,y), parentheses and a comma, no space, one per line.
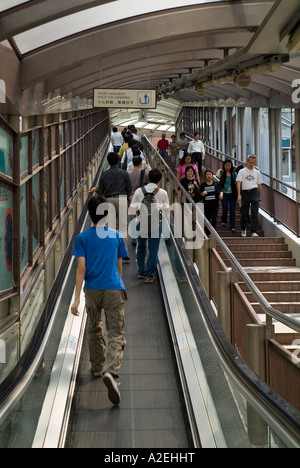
(278,408)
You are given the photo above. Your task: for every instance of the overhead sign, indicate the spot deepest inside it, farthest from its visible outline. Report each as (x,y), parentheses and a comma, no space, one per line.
(125,98)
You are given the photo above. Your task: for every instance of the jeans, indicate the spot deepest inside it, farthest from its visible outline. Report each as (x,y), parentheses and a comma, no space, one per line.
(250,198)
(211,210)
(148,268)
(197,159)
(229,200)
(164,154)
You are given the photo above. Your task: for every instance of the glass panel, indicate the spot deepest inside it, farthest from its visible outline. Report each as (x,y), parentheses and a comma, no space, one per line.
(62,182)
(68,174)
(67,127)
(35,211)
(23,228)
(24,154)
(6,240)
(7,4)
(35,149)
(6,153)
(61,136)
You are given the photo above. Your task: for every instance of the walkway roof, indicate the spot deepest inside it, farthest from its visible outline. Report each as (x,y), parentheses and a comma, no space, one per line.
(189,51)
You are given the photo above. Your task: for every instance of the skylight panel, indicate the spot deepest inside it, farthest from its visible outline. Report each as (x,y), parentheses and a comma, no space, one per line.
(92,18)
(8,4)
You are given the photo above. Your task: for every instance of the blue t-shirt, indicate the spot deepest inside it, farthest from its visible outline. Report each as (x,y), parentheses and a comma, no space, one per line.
(101,247)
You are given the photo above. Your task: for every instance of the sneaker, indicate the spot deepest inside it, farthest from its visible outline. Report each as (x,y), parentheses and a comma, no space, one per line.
(149,280)
(141,277)
(112,387)
(244,233)
(97,375)
(254,234)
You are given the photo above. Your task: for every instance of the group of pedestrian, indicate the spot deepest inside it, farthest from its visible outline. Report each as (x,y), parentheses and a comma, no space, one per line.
(102,250)
(175,151)
(243,186)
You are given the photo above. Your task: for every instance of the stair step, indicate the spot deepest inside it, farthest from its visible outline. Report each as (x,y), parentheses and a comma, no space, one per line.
(254,240)
(265,286)
(254,254)
(265,262)
(228,234)
(262,247)
(273,296)
(274,276)
(284,335)
(284,307)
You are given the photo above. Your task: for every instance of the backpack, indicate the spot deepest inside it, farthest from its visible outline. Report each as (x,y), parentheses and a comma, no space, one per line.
(143,172)
(149,215)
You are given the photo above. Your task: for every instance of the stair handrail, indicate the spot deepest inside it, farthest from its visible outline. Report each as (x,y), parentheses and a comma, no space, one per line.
(270,311)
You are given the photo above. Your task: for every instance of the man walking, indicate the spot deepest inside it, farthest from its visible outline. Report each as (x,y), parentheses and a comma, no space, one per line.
(160,199)
(197,150)
(163,146)
(100,251)
(115,185)
(116,140)
(249,186)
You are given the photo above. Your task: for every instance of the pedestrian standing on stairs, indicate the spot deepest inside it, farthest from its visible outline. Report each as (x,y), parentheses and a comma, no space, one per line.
(249,186)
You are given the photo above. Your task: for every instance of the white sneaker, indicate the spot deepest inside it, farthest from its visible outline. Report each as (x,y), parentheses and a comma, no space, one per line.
(254,234)
(244,233)
(112,387)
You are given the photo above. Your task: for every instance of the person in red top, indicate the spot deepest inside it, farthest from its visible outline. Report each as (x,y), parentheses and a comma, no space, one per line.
(163,146)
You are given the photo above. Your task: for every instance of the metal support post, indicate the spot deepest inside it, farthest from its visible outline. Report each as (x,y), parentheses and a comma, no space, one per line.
(256,358)
(224,302)
(202,261)
(256,349)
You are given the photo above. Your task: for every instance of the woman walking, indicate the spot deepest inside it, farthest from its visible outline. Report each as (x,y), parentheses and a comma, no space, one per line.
(227,178)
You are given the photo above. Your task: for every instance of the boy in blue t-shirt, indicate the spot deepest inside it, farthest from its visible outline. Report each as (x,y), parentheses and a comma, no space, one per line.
(100,251)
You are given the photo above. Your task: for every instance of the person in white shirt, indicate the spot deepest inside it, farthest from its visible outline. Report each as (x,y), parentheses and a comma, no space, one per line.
(197,151)
(116,140)
(146,270)
(249,187)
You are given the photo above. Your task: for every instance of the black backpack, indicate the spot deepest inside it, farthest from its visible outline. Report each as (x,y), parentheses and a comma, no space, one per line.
(149,215)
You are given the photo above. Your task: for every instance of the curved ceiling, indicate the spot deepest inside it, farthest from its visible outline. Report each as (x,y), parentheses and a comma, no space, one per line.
(185,49)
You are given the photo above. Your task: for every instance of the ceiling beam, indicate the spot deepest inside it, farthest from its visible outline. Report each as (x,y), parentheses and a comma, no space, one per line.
(46,63)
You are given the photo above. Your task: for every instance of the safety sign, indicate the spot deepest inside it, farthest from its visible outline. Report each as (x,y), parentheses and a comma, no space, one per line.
(125,98)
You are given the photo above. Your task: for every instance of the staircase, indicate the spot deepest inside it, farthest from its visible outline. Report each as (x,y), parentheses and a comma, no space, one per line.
(272,268)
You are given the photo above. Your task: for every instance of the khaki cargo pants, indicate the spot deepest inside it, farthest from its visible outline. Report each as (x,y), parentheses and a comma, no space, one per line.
(106,358)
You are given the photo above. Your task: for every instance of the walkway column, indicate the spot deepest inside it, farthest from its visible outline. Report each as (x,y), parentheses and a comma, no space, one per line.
(230,138)
(297,150)
(241,134)
(221,130)
(255,113)
(213,119)
(297,145)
